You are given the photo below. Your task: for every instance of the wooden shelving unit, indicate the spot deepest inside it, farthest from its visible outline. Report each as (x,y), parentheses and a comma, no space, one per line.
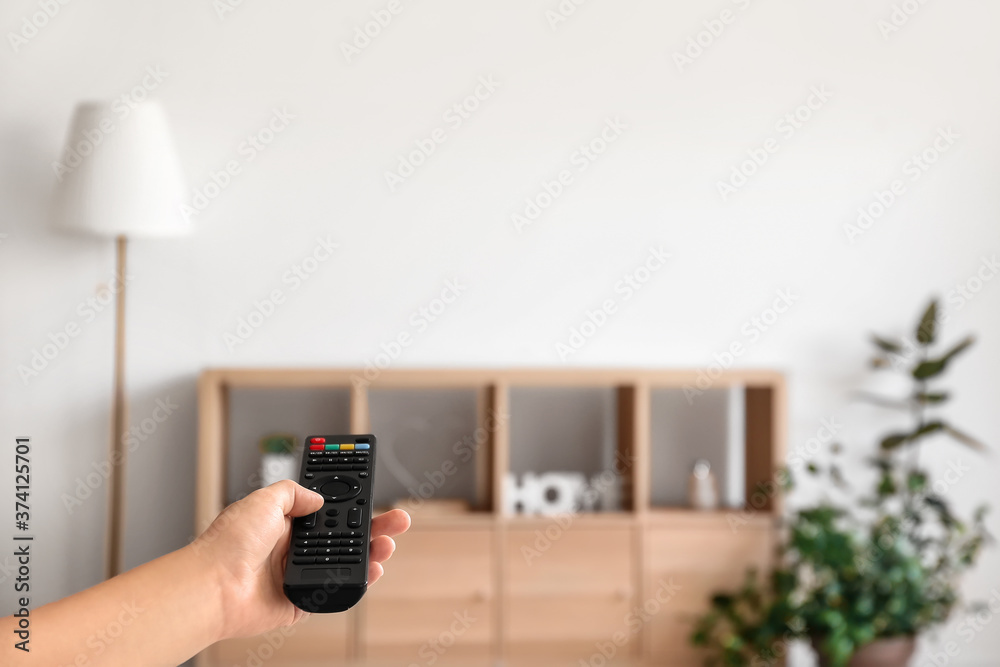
(595,580)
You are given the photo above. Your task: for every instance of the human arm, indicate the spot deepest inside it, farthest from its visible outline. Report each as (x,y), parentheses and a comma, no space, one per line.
(226,583)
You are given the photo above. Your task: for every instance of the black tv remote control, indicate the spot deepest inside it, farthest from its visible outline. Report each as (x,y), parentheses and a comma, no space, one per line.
(327,567)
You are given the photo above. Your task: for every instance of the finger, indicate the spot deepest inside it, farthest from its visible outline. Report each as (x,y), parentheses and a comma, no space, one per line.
(392,523)
(382,548)
(294,500)
(375,572)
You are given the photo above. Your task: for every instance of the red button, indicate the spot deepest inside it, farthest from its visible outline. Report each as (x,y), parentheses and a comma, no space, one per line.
(316,447)
(319,441)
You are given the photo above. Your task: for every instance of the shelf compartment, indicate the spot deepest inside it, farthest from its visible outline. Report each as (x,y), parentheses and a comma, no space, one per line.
(683,430)
(257,412)
(585,430)
(431,446)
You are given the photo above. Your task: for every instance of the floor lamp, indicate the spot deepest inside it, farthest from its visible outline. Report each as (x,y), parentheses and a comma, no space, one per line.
(119,178)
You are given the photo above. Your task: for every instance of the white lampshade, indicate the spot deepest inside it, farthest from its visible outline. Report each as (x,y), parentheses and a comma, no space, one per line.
(120,174)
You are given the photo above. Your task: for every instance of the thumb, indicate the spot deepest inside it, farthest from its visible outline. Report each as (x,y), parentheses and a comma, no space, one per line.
(294,500)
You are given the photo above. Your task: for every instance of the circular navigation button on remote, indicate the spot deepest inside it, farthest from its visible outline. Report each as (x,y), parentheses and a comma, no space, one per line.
(339,487)
(336,487)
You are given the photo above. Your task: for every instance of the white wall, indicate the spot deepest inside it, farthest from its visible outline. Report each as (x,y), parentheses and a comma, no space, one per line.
(655,186)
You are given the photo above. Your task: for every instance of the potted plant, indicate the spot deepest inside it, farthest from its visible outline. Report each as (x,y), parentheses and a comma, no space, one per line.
(862,576)
(277,458)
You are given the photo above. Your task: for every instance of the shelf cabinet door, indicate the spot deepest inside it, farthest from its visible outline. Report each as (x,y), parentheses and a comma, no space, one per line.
(569,593)
(435,603)
(691,564)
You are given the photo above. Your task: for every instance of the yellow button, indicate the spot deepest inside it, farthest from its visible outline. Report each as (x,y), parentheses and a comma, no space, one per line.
(343,447)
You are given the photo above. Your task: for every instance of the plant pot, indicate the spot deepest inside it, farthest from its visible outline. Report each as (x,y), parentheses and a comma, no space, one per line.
(889,652)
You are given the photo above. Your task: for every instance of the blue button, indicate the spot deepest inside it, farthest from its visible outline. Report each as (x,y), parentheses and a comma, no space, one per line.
(362,445)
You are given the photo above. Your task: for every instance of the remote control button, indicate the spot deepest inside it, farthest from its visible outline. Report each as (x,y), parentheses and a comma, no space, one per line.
(362,445)
(336,487)
(332,523)
(362,501)
(351,559)
(312,534)
(305,543)
(363,475)
(317,441)
(332,448)
(332,512)
(315,448)
(328,534)
(354,517)
(309,475)
(328,551)
(310,521)
(303,561)
(302,552)
(326,560)
(359,467)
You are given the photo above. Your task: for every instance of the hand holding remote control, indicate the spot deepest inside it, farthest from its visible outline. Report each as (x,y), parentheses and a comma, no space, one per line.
(247,545)
(328,567)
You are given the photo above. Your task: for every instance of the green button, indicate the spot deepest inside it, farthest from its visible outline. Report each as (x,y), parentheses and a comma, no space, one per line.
(329,447)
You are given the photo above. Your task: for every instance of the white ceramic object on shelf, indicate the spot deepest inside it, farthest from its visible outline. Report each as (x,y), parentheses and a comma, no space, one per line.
(703,489)
(547,494)
(275,467)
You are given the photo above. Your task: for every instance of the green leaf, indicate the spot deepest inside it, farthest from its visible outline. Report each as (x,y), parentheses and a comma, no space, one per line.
(927,398)
(886,486)
(964,438)
(928,369)
(927,429)
(887,345)
(928,324)
(722,601)
(932,367)
(893,441)
(916,482)
(969,340)
(940,506)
